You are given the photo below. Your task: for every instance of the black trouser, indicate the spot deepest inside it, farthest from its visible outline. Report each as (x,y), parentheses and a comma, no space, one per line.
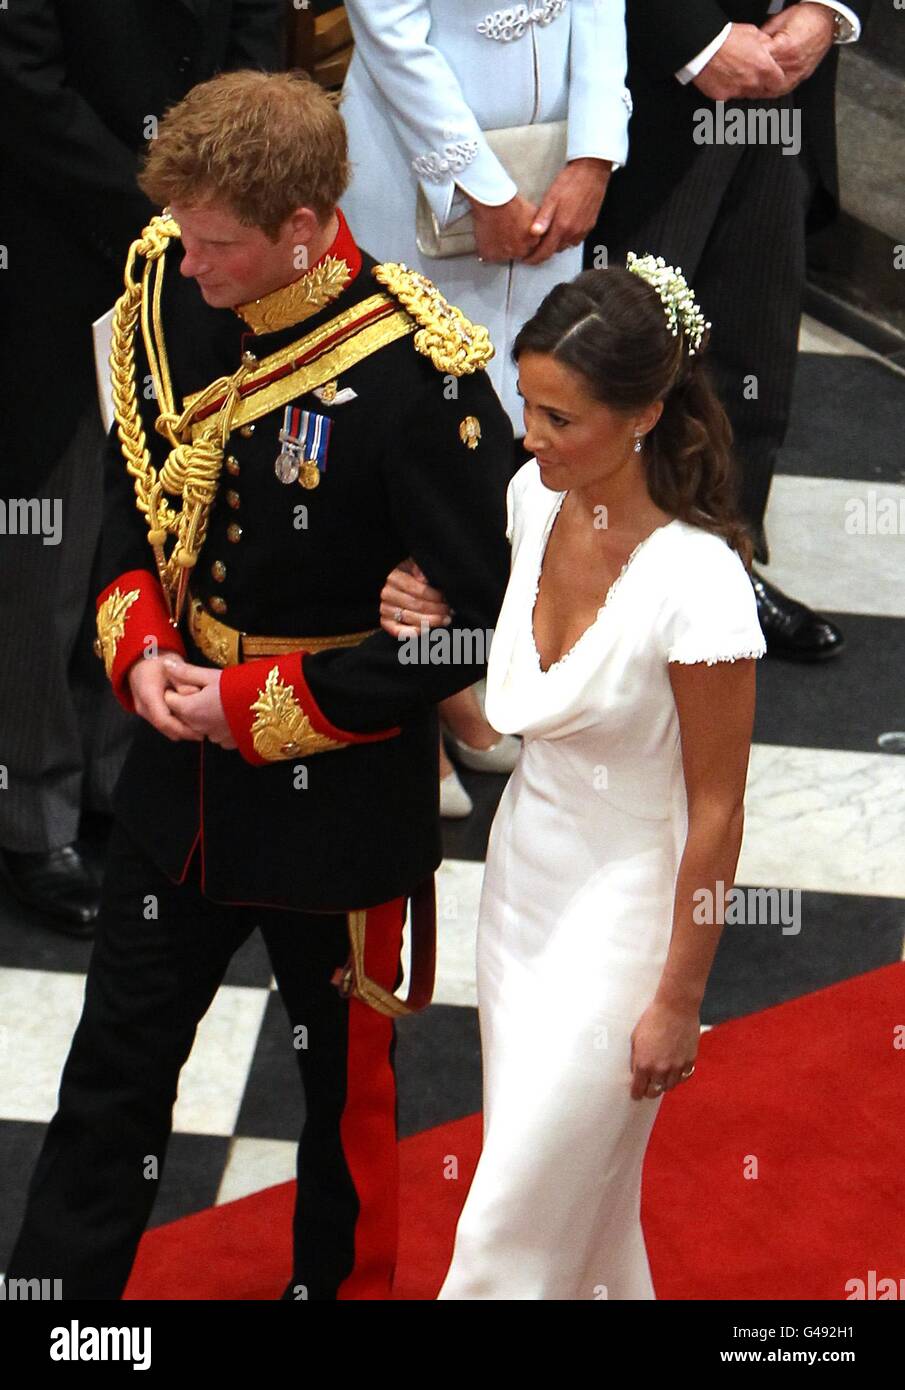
(160,953)
(735,223)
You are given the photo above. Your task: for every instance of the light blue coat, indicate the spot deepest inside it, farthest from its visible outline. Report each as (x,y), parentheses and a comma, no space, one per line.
(427,77)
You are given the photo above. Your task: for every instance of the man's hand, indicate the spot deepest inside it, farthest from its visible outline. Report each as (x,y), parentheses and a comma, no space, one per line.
(150,679)
(570,207)
(800,38)
(502,233)
(745,66)
(194,699)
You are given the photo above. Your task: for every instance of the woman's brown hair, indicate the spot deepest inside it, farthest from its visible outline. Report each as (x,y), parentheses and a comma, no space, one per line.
(610,327)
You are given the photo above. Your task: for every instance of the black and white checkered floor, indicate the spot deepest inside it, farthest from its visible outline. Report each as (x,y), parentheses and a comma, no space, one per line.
(825,815)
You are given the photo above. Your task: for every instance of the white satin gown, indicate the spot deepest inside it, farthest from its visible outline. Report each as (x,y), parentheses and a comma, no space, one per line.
(576,908)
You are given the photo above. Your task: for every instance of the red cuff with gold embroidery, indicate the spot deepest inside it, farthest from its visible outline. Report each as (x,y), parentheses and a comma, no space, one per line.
(131,613)
(273,715)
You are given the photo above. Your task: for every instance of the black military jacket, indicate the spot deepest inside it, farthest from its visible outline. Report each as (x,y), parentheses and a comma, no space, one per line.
(357,823)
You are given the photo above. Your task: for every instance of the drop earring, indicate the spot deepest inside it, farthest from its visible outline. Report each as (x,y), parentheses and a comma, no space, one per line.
(637,443)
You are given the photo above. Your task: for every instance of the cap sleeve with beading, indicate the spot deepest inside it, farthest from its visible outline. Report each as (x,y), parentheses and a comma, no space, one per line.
(711,614)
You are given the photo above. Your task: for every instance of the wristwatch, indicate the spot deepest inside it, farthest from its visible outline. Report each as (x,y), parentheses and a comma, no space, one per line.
(843,29)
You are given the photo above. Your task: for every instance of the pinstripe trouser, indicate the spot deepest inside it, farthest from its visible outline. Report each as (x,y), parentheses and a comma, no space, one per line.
(63,737)
(735,225)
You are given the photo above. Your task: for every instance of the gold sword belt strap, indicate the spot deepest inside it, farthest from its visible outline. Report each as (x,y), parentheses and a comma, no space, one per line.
(227,646)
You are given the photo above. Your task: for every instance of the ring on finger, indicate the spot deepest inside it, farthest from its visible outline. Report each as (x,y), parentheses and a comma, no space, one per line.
(397,615)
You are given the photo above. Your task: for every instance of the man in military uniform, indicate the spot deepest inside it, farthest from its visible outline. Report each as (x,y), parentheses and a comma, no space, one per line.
(293,420)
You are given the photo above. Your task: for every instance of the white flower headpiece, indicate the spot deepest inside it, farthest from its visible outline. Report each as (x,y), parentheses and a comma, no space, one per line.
(676,294)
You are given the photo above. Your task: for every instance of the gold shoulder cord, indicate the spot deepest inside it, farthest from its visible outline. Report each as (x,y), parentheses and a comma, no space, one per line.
(192,468)
(452,342)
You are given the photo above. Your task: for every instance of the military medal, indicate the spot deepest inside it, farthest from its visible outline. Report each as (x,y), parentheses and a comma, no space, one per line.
(314,433)
(287,466)
(304,438)
(288,461)
(310,474)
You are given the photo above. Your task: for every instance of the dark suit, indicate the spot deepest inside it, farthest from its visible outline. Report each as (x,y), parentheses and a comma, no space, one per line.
(80,81)
(732,216)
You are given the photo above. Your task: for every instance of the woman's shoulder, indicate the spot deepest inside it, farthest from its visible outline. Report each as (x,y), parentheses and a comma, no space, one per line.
(704,553)
(709,611)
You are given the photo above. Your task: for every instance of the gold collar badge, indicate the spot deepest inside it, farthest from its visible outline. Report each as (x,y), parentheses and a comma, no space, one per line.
(470,431)
(296,302)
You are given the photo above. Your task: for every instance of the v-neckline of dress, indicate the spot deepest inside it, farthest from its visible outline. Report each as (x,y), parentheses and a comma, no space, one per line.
(616,584)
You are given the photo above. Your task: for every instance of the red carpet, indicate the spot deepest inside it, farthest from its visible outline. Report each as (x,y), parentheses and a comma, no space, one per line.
(808,1095)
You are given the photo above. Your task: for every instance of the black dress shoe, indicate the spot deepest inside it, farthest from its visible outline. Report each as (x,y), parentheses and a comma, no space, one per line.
(759,545)
(58,883)
(793,630)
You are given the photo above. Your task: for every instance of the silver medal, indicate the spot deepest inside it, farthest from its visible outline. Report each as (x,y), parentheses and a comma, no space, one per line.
(287,464)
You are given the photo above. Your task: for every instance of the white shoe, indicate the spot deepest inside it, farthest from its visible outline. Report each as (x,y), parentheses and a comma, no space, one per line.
(499,757)
(455,803)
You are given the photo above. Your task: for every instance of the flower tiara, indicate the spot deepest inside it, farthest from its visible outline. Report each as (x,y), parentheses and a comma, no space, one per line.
(675,293)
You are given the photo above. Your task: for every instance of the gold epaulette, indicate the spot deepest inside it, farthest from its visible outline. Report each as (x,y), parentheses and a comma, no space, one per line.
(452,342)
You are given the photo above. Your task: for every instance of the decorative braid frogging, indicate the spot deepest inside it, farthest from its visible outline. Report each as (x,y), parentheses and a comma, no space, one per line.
(192,468)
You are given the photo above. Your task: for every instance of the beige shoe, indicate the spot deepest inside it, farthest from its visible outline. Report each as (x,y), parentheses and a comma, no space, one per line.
(501,756)
(455,803)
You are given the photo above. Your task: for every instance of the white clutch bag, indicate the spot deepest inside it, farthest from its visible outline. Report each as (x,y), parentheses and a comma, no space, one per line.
(532,156)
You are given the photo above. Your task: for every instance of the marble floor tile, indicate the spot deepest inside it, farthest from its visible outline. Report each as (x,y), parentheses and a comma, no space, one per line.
(824,820)
(39,1011)
(191,1176)
(273,1102)
(438,1067)
(254,1164)
(213,1079)
(814,336)
(817,554)
(458,896)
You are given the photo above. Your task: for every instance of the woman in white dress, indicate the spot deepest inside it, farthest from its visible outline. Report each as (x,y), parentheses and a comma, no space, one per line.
(623,656)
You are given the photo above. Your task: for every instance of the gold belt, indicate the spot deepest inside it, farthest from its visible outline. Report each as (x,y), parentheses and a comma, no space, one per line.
(227,646)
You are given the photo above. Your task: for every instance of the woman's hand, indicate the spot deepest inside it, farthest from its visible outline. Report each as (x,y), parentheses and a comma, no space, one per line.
(503,233)
(407,596)
(664,1045)
(570,207)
